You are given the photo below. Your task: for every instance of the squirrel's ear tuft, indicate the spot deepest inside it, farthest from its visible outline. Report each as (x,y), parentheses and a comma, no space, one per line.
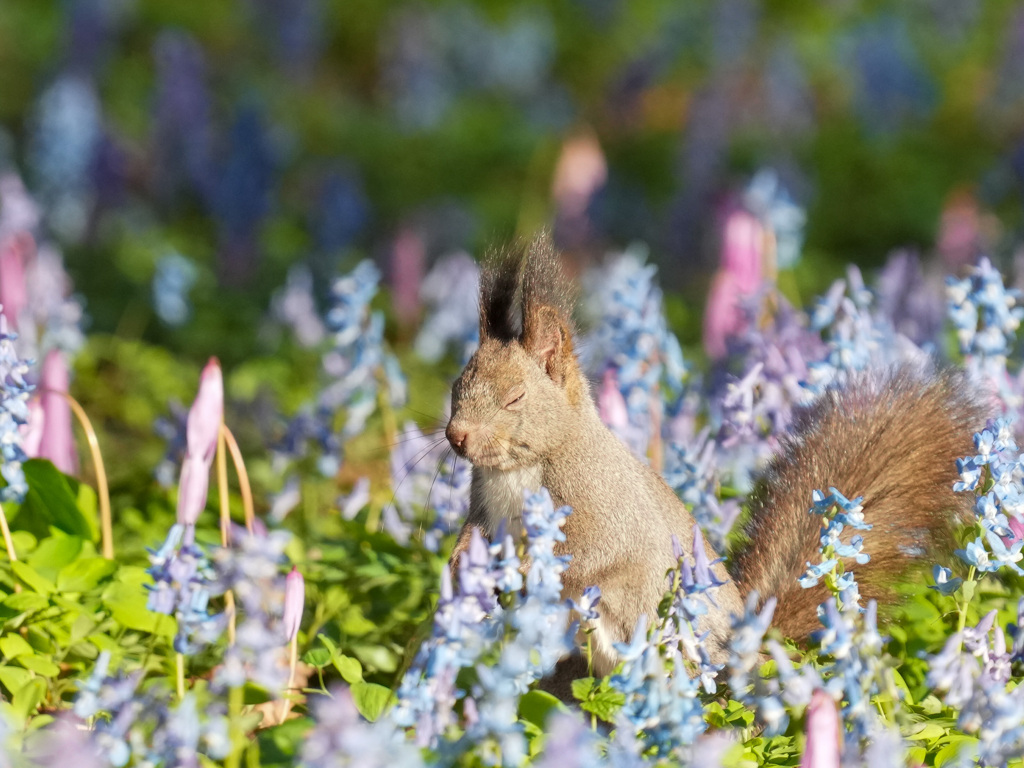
(547,310)
(499,286)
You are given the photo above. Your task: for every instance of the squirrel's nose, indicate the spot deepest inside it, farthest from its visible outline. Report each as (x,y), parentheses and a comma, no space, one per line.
(457,436)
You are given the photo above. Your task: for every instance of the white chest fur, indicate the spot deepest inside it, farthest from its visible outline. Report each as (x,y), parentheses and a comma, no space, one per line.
(502,494)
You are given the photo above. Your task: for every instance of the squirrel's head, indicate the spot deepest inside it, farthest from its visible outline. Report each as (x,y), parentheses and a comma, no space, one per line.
(510,405)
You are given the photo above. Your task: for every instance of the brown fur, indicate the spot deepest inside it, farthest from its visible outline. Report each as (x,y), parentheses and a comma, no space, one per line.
(889,436)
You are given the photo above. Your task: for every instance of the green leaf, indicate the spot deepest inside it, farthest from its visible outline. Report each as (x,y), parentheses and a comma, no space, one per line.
(370,699)
(317,657)
(354,623)
(32,578)
(54,552)
(968,588)
(597,698)
(83,575)
(28,698)
(39,665)
(12,645)
(50,501)
(26,602)
(582,687)
(535,706)
(350,669)
(127,605)
(13,678)
(927,732)
(949,752)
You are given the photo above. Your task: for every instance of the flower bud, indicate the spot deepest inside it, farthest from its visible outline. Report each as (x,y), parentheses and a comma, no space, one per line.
(206,414)
(823,733)
(611,404)
(294,601)
(192,489)
(201,431)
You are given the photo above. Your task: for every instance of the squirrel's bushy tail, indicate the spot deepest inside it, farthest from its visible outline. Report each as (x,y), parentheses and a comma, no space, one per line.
(890,436)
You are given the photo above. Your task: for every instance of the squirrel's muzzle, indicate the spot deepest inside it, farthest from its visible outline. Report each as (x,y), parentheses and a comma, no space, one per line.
(457,435)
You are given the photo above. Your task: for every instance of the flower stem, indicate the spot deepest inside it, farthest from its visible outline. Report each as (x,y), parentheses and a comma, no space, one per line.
(102,490)
(179,662)
(222,489)
(235,701)
(962,607)
(8,541)
(243,476)
(225,521)
(293,662)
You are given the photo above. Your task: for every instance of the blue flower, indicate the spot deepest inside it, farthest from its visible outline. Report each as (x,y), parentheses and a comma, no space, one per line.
(945,582)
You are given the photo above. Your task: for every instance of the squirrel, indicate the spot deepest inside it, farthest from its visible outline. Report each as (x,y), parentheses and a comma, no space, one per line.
(523,415)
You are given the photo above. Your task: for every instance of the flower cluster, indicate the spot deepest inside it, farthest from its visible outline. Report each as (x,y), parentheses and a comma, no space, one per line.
(663,670)
(357,365)
(521,636)
(691,471)
(986,316)
(632,339)
(426,477)
(972,672)
(130,721)
(251,569)
(449,291)
(14,393)
(183,582)
(839,512)
(999,510)
(536,628)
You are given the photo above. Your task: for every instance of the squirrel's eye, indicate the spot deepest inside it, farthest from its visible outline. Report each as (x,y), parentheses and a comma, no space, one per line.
(516,400)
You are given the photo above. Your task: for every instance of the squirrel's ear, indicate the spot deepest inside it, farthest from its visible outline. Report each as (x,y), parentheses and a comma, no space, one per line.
(547,339)
(547,310)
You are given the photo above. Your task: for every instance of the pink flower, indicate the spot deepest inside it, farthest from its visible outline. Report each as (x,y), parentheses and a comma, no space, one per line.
(1016,530)
(823,733)
(15,251)
(722,316)
(32,430)
(56,441)
(294,602)
(408,259)
(202,429)
(611,405)
(739,275)
(743,241)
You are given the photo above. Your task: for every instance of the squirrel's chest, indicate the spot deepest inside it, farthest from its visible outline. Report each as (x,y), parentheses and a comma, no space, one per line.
(500,493)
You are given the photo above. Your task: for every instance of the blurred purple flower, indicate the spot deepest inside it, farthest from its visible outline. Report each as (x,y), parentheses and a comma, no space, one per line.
(408,257)
(449,291)
(183,132)
(172,281)
(66,130)
(242,194)
(342,211)
(295,306)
